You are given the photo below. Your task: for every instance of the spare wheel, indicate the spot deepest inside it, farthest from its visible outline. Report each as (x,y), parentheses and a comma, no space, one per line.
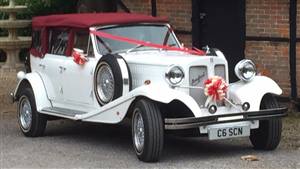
(111,79)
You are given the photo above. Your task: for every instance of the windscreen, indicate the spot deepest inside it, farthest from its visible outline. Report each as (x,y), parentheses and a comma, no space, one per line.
(156,34)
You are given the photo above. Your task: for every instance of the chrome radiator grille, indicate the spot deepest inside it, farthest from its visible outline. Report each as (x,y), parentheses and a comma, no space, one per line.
(220,71)
(197,76)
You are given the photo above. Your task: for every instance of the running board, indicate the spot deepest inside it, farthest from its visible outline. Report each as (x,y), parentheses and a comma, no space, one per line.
(62,112)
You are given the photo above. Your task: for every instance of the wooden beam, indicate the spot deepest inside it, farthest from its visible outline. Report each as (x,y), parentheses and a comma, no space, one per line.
(153,8)
(293,43)
(123,6)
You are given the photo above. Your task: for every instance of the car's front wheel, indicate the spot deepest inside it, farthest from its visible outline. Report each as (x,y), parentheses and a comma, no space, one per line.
(147,130)
(268,135)
(32,123)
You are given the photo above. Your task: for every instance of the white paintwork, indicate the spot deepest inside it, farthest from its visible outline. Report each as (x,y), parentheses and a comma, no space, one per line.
(62,83)
(49,68)
(253,91)
(166,95)
(37,84)
(77,84)
(153,64)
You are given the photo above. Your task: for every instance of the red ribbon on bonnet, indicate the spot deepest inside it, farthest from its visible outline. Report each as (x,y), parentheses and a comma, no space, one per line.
(148,44)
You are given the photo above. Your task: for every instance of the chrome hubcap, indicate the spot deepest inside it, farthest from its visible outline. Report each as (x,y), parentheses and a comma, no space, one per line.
(25,113)
(138,131)
(105,83)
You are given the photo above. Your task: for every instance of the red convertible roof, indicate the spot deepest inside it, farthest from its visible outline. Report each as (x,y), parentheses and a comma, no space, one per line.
(93,19)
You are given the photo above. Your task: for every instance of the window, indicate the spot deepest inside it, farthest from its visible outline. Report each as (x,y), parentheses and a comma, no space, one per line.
(83,41)
(157,34)
(90,48)
(58,41)
(36,40)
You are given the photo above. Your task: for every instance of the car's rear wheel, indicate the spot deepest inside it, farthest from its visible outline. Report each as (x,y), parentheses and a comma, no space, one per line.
(147,130)
(268,135)
(32,123)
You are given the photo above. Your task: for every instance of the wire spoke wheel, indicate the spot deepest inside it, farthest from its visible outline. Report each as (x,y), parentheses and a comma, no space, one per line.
(31,122)
(111,79)
(147,130)
(25,113)
(139,131)
(105,83)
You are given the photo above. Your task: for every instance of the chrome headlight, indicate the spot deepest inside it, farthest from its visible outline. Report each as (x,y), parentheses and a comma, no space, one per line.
(174,75)
(245,70)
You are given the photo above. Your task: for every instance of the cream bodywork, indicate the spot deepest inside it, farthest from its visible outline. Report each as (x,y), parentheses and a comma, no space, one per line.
(151,65)
(145,65)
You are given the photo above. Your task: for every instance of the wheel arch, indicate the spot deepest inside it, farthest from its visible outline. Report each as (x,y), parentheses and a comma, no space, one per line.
(165,97)
(21,86)
(254,91)
(35,82)
(175,108)
(270,95)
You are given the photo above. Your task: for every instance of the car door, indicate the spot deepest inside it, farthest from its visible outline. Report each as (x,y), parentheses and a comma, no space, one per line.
(53,63)
(51,74)
(78,82)
(78,79)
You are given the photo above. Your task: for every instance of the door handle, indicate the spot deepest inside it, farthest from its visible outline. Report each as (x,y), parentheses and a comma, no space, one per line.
(42,66)
(62,69)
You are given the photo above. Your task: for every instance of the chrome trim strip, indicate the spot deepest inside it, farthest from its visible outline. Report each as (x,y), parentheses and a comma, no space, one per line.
(62,112)
(125,76)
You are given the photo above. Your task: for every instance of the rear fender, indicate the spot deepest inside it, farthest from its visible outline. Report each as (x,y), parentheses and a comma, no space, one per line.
(36,83)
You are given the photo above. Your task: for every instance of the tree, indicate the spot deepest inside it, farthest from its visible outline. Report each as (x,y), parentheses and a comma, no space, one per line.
(97,6)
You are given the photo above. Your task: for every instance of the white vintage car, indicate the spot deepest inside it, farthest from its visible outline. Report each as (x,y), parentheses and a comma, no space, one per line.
(104,68)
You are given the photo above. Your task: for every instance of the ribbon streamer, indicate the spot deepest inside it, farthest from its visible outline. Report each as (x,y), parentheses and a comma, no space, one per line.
(78,57)
(215,89)
(148,44)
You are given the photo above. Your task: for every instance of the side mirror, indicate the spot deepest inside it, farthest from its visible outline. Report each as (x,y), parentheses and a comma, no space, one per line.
(78,56)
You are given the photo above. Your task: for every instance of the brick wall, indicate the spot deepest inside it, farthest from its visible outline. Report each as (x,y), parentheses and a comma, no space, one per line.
(264,18)
(139,6)
(272,60)
(269,18)
(179,12)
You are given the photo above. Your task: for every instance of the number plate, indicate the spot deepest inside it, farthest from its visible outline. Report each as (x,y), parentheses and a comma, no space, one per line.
(228,132)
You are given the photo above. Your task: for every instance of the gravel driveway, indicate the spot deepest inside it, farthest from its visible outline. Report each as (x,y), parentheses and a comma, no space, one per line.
(68,144)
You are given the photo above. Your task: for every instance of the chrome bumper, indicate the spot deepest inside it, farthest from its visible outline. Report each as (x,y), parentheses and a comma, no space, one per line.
(194,122)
